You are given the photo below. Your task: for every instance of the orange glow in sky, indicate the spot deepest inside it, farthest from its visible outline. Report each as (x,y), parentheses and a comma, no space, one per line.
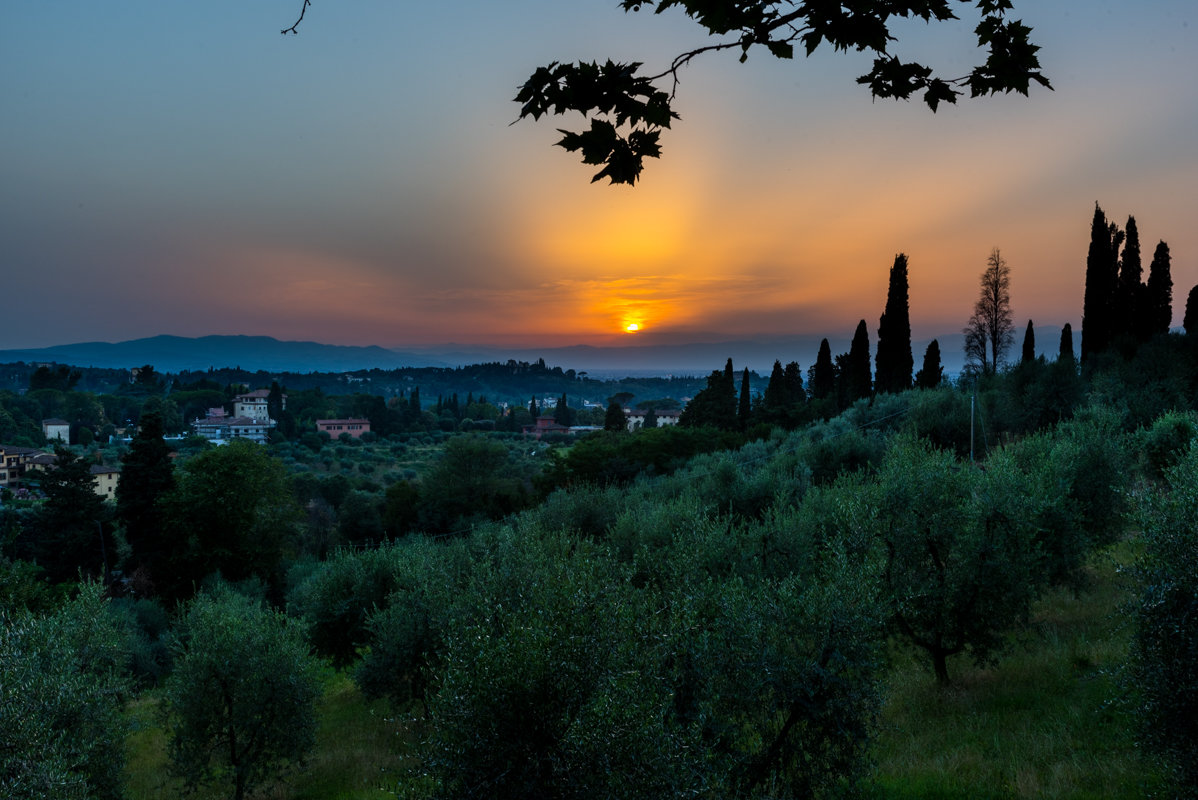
(777,208)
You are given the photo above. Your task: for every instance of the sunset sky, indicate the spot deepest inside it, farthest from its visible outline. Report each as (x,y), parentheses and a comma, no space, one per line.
(183,168)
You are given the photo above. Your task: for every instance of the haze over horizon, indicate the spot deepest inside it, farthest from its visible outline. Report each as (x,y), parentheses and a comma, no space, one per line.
(186,170)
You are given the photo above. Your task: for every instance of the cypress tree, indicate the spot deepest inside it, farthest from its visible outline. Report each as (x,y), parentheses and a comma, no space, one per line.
(1066,342)
(894,359)
(745,410)
(932,373)
(1127,300)
(614,420)
(823,373)
(532,407)
(1190,322)
(563,415)
(1029,345)
(793,380)
(775,401)
(1101,276)
(147,476)
(857,380)
(1159,293)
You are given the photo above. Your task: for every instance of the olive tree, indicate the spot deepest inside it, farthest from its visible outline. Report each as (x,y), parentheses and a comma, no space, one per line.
(241,700)
(62,685)
(961,562)
(1164,667)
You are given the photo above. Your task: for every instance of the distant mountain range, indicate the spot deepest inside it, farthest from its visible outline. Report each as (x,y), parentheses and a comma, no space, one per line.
(264,353)
(254,353)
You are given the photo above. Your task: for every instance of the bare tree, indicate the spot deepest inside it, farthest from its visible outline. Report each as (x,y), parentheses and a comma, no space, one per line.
(991,330)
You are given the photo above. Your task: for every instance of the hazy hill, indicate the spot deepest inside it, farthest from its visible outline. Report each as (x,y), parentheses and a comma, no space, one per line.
(263,353)
(178,353)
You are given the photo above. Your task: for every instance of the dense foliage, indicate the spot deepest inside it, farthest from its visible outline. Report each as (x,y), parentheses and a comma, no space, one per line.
(241,698)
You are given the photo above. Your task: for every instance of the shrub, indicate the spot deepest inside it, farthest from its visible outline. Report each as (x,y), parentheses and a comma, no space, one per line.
(1164,443)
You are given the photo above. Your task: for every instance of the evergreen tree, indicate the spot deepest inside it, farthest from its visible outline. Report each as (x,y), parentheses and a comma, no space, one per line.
(147,476)
(1190,322)
(932,373)
(68,526)
(414,402)
(650,419)
(744,409)
(823,373)
(894,359)
(1127,302)
(1101,277)
(614,420)
(793,379)
(1066,350)
(856,376)
(1159,293)
(715,405)
(1029,345)
(776,399)
(563,414)
(532,408)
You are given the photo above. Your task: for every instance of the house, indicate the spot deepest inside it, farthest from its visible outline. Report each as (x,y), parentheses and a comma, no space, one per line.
(636,419)
(545,424)
(14,461)
(57,429)
(220,427)
(335,427)
(105,479)
(254,405)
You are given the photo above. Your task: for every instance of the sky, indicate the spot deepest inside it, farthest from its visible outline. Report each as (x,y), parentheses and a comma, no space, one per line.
(182,168)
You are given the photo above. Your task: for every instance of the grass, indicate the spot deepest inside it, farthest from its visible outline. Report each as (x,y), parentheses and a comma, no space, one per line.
(357,746)
(1042,722)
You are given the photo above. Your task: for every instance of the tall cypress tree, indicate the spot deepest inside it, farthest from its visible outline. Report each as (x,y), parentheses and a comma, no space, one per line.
(857,382)
(1066,350)
(932,373)
(776,400)
(823,373)
(1127,299)
(147,476)
(894,359)
(1029,345)
(1190,321)
(1159,293)
(745,409)
(1101,276)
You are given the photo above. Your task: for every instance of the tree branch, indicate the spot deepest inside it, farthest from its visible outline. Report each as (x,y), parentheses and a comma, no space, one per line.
(303,10)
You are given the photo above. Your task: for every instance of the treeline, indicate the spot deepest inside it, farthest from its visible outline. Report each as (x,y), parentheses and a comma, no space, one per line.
(98,403)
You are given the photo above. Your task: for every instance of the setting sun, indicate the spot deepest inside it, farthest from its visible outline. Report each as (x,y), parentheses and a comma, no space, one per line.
(632,327)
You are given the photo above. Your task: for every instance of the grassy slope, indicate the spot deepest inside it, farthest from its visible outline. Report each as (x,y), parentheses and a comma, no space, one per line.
(356,746)
(1039,723)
